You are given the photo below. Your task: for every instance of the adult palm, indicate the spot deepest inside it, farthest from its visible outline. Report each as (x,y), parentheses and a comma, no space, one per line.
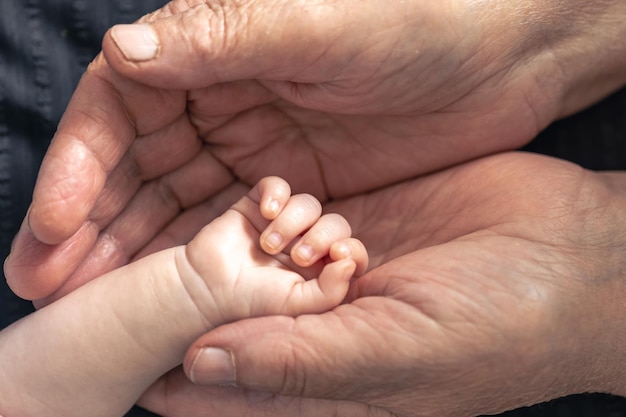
(495,284)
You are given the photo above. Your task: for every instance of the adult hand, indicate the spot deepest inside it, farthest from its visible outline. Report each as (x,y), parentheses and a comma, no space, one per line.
(338,98)
(496,284)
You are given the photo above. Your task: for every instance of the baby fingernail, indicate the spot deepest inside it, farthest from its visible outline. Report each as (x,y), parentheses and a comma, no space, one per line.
(345,251)
(138,42)
(274,240)
(274,206)
(213,366)
(305,252)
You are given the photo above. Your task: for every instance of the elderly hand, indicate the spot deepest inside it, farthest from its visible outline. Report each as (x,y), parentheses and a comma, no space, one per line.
(495,284)
(338,98)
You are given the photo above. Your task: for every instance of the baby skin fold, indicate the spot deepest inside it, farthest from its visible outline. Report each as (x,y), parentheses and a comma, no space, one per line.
(96,350)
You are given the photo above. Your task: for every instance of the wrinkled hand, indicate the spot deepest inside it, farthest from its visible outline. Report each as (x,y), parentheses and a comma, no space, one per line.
(496,284)
(337,98)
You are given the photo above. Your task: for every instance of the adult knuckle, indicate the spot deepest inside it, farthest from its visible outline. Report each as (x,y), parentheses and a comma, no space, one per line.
(214,28)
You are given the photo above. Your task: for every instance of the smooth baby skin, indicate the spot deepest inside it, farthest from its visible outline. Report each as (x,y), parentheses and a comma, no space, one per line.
(95,351)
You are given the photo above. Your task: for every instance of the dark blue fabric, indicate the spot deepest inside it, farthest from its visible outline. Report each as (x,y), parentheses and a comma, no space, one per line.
(45,46)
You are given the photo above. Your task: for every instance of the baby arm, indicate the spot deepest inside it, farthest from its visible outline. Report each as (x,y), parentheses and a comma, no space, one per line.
(94,352)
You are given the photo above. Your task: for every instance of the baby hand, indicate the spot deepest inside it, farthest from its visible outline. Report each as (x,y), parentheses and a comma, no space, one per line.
(272,253)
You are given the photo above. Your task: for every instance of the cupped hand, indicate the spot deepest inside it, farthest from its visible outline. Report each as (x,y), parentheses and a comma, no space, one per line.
(337,98)
(495,284)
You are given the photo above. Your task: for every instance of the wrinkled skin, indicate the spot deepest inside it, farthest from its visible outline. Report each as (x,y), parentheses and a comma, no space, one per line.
(495,284)
(508,264)
(337,97)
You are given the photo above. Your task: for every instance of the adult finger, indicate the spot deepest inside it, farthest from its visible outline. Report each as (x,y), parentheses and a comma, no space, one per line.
(175,396)
(150,215)
(91,139)
(311,356)
(190,44)
(168,156)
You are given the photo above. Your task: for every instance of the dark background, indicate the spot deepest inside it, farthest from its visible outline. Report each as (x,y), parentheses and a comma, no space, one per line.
(45,46)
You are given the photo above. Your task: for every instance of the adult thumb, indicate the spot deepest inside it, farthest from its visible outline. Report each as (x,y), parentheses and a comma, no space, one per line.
(211,42)
(326,356)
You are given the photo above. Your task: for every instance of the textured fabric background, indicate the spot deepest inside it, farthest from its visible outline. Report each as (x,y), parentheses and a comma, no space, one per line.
(45,46)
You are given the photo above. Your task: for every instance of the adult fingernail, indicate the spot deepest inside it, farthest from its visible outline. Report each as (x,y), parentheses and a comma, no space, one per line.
(213,366)
(138,42)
